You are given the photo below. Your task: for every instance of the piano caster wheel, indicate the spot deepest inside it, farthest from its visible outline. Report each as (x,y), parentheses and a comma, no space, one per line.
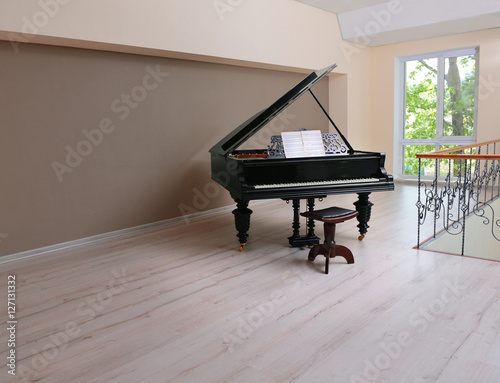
(361,236)
(242,247)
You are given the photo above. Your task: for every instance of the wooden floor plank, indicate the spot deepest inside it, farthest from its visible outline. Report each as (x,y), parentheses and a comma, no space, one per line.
(181,304)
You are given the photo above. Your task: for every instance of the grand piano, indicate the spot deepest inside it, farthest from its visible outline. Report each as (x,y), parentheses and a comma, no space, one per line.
(268,174)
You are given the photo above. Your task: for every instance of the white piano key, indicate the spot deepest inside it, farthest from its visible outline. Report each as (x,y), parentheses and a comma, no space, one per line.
(316,183)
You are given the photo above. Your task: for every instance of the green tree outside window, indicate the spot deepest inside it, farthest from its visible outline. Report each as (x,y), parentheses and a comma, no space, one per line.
(439,107)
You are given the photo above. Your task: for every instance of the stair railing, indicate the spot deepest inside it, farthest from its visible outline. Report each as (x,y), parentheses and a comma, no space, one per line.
(466,181)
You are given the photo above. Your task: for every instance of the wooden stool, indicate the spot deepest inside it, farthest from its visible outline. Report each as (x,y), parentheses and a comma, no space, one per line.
(330,217)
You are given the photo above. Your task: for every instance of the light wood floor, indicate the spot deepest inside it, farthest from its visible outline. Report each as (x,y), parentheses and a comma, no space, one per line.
(180,304)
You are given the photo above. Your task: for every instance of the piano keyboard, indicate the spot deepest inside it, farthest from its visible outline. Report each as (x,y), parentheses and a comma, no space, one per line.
(317,183)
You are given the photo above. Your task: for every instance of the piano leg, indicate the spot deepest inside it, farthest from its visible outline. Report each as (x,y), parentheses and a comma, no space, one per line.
(364,209)
(296,240)
(311,236)
(242,221)
(296,224)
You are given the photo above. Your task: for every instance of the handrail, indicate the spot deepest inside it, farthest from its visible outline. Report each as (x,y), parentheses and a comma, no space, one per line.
(444,152)
(469,188)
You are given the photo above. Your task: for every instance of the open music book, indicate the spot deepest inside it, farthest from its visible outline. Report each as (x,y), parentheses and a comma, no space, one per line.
(304,143)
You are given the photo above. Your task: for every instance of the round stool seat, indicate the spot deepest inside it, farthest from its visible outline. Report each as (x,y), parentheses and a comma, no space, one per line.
(331,214)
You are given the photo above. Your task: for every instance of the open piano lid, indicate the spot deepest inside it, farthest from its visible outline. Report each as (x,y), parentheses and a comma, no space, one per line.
(252,125)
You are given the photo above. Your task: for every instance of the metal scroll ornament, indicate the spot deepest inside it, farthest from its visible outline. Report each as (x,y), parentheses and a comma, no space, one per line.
(331,141)
(333,144)
(275,149)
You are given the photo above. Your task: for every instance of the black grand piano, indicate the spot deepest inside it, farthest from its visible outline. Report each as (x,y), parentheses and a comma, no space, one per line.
(267,173)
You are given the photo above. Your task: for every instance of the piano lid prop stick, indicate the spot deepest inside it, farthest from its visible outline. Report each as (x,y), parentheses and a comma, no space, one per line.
(351,150)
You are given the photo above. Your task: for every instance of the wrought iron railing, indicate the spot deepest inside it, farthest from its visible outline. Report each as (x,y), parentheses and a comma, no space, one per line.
(466,181)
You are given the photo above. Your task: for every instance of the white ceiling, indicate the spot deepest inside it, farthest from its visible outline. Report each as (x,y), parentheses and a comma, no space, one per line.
(381,22)
(339,6)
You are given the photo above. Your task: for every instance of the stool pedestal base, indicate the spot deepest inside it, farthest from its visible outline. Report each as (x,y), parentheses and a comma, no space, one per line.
(330,217)
(330,250)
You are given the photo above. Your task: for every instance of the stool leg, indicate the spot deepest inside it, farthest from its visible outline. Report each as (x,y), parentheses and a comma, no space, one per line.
(315,250)
(337,250)
(342,251)
(329,229)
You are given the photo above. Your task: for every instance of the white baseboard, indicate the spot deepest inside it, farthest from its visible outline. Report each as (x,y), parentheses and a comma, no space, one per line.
(112,234)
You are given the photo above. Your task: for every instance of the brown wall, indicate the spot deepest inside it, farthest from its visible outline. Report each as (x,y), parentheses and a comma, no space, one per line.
(93,142)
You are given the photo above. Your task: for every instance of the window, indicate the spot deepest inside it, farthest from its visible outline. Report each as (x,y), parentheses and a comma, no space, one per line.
(436,106)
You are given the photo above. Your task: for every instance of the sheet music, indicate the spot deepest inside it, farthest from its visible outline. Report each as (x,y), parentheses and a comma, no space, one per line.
(293,145)
(305,143)
(313,143)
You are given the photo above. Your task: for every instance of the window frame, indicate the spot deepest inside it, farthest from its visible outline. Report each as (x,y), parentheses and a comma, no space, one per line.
(400,106)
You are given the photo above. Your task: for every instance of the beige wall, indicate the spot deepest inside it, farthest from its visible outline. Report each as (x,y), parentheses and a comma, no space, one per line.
(278,32)
(382,84)
(94,142)
(153,164)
